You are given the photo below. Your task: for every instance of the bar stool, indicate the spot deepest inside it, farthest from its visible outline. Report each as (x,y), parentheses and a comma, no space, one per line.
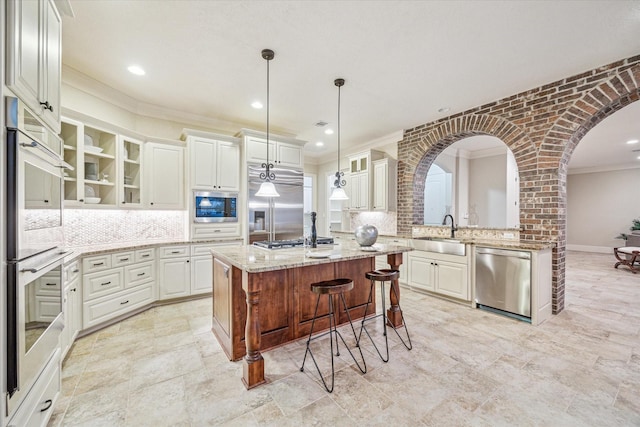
(382,276)
(329,288)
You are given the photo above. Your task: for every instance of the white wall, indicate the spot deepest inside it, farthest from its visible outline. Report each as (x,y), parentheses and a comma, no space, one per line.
(600,206)
(487,189)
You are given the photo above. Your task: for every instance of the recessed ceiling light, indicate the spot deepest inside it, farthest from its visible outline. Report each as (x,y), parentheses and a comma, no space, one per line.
(136,69)
(632,141)
(443,109)
(319,144)
(329,131)
(256,104)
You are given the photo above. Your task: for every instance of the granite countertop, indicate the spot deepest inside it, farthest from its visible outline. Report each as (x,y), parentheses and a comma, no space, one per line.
(77,251)
(254,259)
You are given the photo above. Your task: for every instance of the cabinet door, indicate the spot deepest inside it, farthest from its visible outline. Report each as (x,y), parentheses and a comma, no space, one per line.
(165,176)
(174,278)
(52,63)
(72,306)
(451,279)
(201,274)
(130,172)
(380,186)
(227,166)
(257,150)
(202,161)
(421,272)
(289,155)
(24,44)
(360,183)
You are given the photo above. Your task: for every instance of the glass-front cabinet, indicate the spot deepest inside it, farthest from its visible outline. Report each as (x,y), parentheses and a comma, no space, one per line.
(107,166)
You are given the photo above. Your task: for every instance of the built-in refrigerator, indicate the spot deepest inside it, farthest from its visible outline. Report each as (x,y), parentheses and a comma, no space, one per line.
(276,218)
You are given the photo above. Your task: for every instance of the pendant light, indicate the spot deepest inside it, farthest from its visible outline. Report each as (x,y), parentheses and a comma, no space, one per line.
(267,189)
(338,191)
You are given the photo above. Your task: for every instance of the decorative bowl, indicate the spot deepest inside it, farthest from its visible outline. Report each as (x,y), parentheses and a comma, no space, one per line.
(366,235)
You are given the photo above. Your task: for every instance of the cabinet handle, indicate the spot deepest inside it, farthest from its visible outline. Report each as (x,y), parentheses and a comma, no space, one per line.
(187,261)
(175,252)
(124,302)
(49,107)
(46,201)
(76,271)
(141,274)
(95,264)
(73,290)
(151,203)
(145,256)
(105,284)
(48,404)
(124,259)
(217,231)
(50,284)
(81,200)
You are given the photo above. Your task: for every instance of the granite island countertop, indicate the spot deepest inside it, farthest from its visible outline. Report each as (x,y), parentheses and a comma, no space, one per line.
(254,259)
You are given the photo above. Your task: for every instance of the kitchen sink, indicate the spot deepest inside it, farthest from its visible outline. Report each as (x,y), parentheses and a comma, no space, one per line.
(440,245)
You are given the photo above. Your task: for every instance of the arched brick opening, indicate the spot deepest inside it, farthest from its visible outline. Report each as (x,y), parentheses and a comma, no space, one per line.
(593,107)
(447,133)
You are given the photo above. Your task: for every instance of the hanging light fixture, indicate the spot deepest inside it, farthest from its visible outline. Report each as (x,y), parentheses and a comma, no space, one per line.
(267,189)
(338,191)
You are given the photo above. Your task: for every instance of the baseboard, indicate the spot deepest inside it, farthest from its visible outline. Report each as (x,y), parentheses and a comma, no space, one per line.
(595,249)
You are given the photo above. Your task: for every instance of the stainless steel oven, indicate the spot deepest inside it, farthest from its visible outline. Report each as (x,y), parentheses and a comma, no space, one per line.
(34,236)
(214,206)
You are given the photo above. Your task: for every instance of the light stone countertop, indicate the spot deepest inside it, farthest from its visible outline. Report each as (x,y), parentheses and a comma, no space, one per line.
(253,259)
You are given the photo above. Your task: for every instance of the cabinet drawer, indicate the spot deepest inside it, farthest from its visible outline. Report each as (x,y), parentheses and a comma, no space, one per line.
(99,284)
(71,271)
(145,255)
(215,231)
(103,309)
(205,249)
(48,285)
(137,274)
(96,263)
(37,407)
(122,258)
(173,251)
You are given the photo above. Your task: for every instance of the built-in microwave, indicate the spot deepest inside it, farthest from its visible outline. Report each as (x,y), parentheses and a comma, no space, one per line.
(215,206)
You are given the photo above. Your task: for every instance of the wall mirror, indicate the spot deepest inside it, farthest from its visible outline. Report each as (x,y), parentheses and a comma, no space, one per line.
(476,181)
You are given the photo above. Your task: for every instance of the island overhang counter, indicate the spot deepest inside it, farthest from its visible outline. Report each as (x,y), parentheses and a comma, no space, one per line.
(262,297)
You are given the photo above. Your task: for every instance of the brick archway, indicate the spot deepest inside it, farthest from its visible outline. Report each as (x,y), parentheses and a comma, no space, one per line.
(434,142)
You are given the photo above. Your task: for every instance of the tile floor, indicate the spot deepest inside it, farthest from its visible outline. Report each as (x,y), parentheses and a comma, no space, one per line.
(468,367)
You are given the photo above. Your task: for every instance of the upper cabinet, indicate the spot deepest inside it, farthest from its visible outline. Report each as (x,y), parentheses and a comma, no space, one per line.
(34,56)
(361,180)
(130,178)
(164,176)
(283,152)
(214,164)
(385,178)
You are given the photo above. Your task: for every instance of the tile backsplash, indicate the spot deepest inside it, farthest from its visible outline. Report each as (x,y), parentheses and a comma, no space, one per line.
(385,222)
(85,227)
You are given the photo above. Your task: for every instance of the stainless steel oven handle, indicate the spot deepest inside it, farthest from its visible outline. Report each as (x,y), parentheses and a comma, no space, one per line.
(59,162)
(45,265)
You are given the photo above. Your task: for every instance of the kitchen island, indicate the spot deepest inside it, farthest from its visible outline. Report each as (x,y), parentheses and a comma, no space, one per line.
(262,298)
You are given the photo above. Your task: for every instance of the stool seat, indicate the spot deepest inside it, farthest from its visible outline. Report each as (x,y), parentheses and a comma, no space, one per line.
(385,275)
(332,287)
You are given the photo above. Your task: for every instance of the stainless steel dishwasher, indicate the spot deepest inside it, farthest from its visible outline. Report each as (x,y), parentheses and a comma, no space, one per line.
(503,280)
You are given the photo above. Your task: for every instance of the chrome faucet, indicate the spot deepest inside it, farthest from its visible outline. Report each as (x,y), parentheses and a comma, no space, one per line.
(453,224)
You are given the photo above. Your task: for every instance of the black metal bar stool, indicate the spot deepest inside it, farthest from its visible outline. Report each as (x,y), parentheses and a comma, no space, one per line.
(382,276)
(329,288)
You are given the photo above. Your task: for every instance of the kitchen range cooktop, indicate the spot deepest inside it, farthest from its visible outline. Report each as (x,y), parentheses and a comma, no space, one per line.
(293,243)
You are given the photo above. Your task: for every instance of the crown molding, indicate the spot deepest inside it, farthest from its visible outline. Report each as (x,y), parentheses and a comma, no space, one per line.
(604,168)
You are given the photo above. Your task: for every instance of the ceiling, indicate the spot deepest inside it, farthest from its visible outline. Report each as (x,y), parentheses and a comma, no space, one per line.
(403,61)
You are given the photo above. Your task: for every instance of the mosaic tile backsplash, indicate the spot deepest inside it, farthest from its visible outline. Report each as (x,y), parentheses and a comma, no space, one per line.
(385,222)
(85,227)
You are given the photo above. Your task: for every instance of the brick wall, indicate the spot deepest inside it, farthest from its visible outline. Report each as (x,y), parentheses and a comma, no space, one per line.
(542,127)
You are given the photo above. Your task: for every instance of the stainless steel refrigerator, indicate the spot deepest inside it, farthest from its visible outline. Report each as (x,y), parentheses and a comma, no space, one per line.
(277,218)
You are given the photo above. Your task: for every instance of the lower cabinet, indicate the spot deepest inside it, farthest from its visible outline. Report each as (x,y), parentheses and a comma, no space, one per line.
(117,283)
(37,407)
(443,274)
(174,276)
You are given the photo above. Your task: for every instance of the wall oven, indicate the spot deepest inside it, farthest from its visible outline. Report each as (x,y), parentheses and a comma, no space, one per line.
(210,206)
(34,238)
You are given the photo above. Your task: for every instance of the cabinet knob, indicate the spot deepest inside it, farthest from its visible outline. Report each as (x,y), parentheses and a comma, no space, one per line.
(81,200)
(151,203)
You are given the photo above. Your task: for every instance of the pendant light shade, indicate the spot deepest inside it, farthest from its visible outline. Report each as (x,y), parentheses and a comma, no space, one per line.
(338,192)
(267,189)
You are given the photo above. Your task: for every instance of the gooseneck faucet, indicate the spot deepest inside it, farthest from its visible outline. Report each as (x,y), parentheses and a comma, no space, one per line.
(453,225)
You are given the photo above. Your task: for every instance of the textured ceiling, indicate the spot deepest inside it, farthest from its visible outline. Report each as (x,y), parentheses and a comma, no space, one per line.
(402,60)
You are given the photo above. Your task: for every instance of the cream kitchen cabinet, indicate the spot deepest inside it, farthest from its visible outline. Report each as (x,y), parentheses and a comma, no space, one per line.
(443,274)
(34,36)
(130,172)
(202,265)
(214,164)
(283,152)
(116,284)
(385,179)
(164,176)
(72,306)
(361,180)
(174,276)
